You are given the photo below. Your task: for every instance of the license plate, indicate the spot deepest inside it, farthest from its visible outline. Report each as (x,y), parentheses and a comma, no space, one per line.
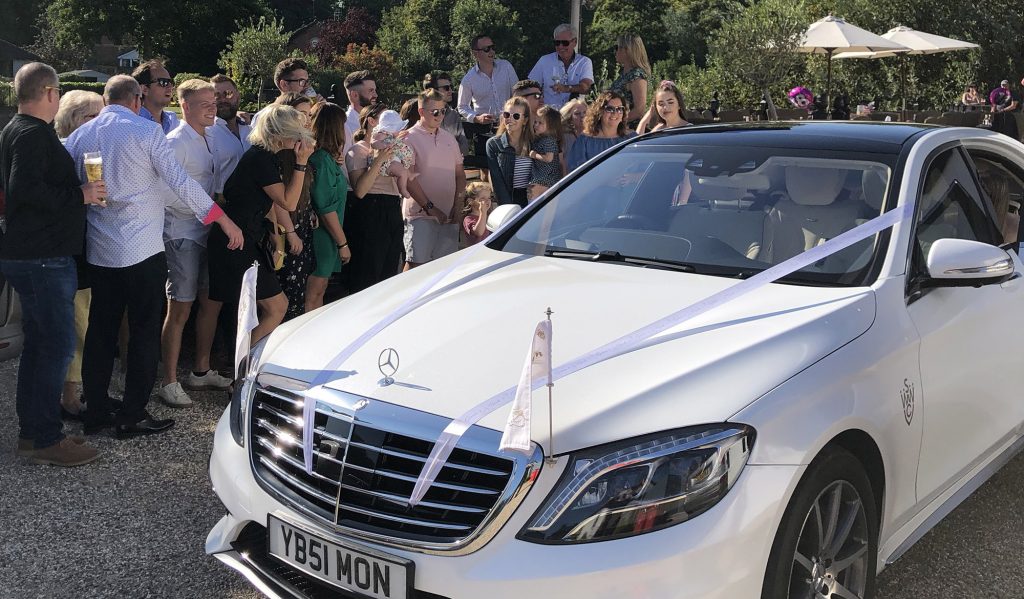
(364,572)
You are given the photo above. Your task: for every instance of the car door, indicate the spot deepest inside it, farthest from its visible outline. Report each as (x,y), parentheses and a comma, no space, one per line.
(969,335)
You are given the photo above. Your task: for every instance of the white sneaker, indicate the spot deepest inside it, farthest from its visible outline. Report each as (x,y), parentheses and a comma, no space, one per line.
(211,380)
(174,396)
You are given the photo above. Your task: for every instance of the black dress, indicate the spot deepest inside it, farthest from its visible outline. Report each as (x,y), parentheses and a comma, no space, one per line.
(247,205)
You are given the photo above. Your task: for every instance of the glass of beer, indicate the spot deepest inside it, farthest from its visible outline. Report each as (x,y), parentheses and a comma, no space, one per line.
(94,168)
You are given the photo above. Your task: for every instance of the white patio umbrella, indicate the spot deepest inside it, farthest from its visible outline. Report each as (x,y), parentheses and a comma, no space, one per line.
(832,34)
(918,43)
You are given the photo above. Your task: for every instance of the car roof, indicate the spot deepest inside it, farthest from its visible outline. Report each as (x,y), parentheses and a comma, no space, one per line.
(878,137)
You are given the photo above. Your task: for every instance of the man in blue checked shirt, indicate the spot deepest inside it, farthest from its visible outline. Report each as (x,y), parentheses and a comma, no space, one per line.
(125,252)
(157,93)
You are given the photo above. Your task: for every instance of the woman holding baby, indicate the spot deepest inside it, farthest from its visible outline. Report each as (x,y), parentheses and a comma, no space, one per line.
(374,219)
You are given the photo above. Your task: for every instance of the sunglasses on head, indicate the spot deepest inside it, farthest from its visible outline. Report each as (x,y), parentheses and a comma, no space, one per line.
(515,116)
(564,42)
(614,109)
(490,48)
(163,82)
(436,112)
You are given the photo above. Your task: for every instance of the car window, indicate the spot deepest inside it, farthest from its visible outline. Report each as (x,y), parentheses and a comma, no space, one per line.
(950,206)
(723,210)
(1002,186)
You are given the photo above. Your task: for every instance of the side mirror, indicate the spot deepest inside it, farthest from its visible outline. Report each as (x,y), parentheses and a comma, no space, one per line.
(501,215)
(964,263)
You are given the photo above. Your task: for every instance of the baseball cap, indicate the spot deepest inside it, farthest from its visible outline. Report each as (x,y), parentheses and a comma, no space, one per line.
(1004,82)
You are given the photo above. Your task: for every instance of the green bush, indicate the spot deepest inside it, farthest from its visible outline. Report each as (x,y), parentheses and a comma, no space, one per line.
(183,77)
(92,86)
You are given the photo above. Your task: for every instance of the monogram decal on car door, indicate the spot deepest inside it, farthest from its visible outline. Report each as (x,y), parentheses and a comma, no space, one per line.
(907,396)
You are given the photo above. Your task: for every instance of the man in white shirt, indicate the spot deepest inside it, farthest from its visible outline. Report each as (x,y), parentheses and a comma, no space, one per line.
(125,251)
(564,73)
(361,88)
(486,86)
(185,248)
(229,137)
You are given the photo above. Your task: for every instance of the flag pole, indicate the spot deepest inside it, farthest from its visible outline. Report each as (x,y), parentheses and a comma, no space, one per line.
(550,459)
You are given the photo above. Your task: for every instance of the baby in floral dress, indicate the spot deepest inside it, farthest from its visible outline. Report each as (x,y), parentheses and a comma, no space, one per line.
(383,137)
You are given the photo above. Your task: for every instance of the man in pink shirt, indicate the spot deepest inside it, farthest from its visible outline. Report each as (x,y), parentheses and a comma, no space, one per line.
(439,171)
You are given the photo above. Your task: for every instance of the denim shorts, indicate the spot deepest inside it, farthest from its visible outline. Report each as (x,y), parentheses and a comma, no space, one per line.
(186,270)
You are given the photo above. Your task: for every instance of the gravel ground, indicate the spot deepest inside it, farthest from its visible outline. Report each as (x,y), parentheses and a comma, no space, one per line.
(133,524)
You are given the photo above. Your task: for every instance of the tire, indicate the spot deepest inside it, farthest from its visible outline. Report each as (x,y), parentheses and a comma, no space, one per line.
(834,495)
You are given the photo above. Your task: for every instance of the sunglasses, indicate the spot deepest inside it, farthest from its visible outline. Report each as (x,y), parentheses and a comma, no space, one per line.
(444,88)
(301,82)
(564,42)
(537,95)
(515,116)
(226,95)
(54,88)
(163,82)
(490,48)
(436,112)
(615,109)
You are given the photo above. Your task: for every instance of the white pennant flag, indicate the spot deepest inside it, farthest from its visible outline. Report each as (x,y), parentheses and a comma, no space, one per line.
(247,319)
(536,372)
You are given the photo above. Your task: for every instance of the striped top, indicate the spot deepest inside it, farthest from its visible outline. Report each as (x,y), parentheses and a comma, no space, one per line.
(523,171)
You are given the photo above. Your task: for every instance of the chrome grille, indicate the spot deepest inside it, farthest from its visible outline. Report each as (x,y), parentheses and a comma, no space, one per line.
(365,465)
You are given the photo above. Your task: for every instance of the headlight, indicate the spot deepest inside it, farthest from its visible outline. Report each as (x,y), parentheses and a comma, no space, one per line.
(641,485)
(241,393)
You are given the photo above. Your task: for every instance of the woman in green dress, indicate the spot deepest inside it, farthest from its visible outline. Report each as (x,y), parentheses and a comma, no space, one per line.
(329,192)
(636,70)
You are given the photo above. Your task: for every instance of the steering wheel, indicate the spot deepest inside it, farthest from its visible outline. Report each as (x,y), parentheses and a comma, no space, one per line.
(632,221)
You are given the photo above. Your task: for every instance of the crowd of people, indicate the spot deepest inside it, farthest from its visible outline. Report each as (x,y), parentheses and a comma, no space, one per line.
(124,219)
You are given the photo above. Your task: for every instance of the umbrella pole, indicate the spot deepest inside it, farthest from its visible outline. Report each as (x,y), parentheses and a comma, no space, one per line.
(828,83)
(903,88)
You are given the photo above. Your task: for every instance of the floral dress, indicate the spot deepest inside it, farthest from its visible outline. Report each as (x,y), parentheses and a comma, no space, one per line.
(297,267)
(621,85)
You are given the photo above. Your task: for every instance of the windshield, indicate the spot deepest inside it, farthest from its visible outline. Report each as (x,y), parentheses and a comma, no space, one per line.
(729,211)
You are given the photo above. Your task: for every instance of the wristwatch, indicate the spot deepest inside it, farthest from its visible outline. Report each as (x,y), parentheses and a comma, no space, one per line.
(429,205)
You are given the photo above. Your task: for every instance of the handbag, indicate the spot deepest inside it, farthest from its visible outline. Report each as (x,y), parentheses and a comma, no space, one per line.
(273,242)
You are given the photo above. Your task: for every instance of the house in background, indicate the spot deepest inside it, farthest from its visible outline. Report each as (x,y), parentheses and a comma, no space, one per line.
(127,62)
(13,58)
(86,75)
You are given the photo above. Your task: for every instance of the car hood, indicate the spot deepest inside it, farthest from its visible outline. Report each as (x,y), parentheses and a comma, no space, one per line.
(469,339)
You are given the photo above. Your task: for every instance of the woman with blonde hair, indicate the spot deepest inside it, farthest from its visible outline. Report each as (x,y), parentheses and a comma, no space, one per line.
(508,153)
(572,112)
(603,127)
(636,70)
(250,193)
(77,107)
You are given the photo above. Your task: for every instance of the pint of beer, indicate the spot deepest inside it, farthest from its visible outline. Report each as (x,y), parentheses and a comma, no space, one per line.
(93,166)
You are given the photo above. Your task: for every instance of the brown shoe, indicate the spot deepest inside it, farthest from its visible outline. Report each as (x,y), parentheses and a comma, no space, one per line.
(27,448)
(66,453)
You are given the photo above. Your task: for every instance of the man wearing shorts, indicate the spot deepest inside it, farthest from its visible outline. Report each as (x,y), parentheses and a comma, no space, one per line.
(440,174)
(185,246)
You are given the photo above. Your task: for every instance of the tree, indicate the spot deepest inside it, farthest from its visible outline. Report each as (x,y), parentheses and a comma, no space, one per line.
(188,32)
(358,58)
(418,34)
(20,24)
(759,47)
(62,55)
(478,17)
(252,54)
(358,27)
(613,18)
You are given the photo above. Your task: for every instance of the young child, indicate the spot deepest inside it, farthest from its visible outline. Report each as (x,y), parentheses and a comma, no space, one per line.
(383,137)
(547,144)
(479,199)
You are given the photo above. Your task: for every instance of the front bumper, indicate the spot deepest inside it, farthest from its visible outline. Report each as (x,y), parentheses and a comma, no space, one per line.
(718,555)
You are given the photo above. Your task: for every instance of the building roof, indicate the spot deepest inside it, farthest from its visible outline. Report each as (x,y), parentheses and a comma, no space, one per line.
(132,54)
(9,51)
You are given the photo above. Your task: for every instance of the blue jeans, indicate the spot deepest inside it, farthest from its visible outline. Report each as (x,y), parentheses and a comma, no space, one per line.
(46,289)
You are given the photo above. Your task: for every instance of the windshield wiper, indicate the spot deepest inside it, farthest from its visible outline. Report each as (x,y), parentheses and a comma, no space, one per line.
(613,256)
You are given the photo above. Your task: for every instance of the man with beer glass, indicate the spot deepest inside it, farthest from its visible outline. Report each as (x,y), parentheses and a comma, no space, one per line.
(46,206)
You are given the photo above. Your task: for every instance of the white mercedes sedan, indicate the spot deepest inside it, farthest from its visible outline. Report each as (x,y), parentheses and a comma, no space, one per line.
(782,353)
